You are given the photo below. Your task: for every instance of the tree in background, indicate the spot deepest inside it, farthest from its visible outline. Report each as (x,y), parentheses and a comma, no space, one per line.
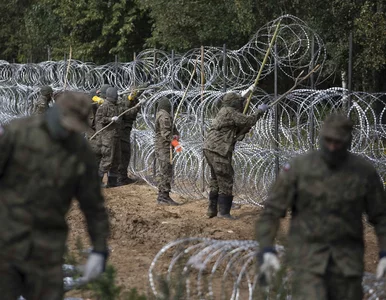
(33,30)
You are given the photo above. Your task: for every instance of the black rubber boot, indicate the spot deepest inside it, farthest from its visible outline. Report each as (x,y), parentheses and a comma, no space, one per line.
(111,181)
(212,208)
(164,199)
(225,205)
(125,181)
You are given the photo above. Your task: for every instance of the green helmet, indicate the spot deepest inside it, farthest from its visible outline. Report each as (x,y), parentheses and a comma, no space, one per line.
(164,104)
(337,127)
(103,90)
(233,100)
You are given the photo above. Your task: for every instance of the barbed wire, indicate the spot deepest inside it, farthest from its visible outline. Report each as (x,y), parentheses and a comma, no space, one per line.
(201,268)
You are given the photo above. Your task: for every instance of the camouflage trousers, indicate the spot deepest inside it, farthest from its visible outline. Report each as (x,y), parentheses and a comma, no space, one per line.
(111,156)
(164,169)
(125,156)
(332,285)
(33,281)
(221,173)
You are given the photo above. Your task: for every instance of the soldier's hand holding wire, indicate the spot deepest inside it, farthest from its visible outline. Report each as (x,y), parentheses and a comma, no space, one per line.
(263,107)
(115,119)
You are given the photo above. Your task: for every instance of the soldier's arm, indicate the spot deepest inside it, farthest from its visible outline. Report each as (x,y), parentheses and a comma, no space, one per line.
(102,115)
(245,123)
(165,126)
(91,202)
(6,146)
(376,207)
(279,200)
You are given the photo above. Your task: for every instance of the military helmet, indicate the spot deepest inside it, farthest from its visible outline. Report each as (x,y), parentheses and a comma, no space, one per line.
(103,90)
(46,90)
(112,94)
(337,127)
(164,104)
(233,99)
(75,108)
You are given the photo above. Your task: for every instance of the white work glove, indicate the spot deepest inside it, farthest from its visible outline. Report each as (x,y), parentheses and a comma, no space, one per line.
(263,107)
(247,91)
(381,268)
(115,119)
(269,267)
(142,100)
(94,267)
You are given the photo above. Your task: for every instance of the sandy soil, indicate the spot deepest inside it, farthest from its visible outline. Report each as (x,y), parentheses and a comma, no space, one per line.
(140,227)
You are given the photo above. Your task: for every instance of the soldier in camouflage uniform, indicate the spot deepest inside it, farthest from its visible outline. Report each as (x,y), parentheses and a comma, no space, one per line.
(94,143)
(327,192)
(229,126)
(109,138)
(44,100)
(44,163)
(165,131)
(125,103)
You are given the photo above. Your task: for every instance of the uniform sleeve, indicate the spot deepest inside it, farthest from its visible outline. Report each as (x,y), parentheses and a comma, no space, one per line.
(165,126)
(92,204)
(102,117)
(132,114)
(279,200)
(244,122)
(6,147)
(376,207)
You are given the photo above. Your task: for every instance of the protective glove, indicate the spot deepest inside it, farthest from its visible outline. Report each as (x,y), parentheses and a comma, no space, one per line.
(268,268)
(176,137)
(381,268)
(142,100)
(263,107)
(247,91)
(115,119)
(95,266)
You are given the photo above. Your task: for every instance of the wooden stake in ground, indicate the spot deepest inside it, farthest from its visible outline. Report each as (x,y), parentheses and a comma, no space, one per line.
(179,105)
(68,68)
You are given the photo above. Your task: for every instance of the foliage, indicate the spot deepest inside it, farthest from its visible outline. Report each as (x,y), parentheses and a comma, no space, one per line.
(97,30)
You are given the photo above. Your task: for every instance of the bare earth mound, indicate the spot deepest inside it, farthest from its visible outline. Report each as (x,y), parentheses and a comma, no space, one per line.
(140,228)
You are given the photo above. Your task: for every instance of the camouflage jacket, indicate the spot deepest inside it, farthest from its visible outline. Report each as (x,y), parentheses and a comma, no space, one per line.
(103,117)
(226,128)
(41,105)
(128,118)
(163,130)
(39,176)
(327,207)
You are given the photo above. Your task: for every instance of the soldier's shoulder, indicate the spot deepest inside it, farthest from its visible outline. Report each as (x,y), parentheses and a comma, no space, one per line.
(25,122)
(361,163)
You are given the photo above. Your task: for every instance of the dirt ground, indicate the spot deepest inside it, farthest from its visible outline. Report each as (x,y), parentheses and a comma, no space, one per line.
(140,228)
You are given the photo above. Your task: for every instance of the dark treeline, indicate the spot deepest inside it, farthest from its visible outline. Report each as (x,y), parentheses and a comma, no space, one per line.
(97,30)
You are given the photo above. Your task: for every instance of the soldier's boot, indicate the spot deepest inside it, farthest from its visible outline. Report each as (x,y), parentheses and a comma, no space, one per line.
(225,205)
(164,199)
(112,181)
(212,208)
(122,180)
